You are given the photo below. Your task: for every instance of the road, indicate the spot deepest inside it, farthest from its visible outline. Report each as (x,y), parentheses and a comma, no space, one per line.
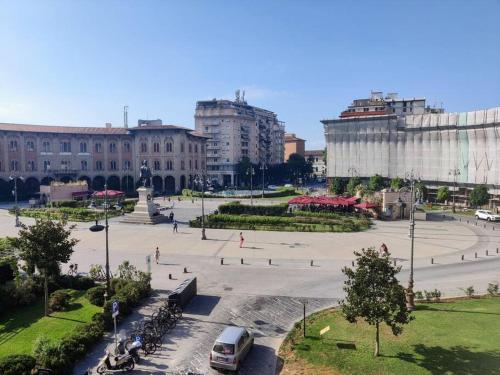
(269,298)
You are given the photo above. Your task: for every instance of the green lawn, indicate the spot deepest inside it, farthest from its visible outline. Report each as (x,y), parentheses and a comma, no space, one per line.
(459,338)
(20,327)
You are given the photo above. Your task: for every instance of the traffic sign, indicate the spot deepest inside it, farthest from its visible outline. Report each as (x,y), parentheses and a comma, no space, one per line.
(116,309)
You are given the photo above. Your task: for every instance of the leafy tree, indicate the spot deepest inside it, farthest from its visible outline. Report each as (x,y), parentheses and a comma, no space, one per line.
(298,167)
(45,245)
(352,185)
(242,168)
(397,183)
(338,185)
(421,189)
(443,194)
(374,294)
(479,196)
(376,183)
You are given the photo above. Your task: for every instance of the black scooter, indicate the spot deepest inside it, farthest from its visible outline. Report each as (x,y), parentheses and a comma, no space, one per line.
(124,362)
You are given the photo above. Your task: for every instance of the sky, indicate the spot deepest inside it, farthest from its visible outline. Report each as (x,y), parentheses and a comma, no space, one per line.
(78,62)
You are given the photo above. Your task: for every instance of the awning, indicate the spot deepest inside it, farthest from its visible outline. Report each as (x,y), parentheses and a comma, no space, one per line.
(324,200)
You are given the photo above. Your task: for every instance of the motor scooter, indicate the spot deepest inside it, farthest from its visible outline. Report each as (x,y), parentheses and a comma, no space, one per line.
(123,362)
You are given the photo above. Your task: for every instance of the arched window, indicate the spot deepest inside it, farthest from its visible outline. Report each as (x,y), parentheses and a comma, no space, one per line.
(182,147)
(196,164)
(168,147)
(14,165)
(98,165)
(144,147)
(196,148)
(190,146)
(156,147)
(83,165)
(126,165)
(190,164)
(83,147)
(13,145)
(112,147)
(30,165)
(156,165)
(30,146)
(126,147)
(46,146)
(98,147)
(112,165)
(182,165)
(46,165)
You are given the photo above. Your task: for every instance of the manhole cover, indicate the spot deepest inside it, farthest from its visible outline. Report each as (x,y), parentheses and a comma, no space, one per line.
(227,288)
(259,322)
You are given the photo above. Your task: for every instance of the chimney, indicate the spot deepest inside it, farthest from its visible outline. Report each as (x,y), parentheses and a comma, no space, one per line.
(108,125)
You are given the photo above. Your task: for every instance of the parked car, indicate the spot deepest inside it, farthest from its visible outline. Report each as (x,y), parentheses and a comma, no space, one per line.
(231,348)
(487,215)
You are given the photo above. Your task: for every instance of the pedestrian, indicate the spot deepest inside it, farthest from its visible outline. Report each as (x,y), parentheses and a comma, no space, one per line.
(384,250)
(171,216)
(241,240)
(175,226)
(157,255)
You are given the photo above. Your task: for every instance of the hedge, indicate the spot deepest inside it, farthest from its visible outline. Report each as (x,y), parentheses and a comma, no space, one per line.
(73,214)
(283,192)
(236,208)
(17,364)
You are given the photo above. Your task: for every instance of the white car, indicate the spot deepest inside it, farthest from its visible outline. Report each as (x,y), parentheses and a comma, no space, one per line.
(487,215)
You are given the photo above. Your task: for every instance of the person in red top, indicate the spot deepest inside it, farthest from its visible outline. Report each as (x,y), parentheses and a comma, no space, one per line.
(384,250)
(241,239)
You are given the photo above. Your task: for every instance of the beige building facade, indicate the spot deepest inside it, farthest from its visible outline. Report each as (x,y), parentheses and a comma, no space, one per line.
(238,130)
(294,145)
(108,155)
(318,162)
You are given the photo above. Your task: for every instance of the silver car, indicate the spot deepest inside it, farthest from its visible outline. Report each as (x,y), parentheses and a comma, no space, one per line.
(231,348)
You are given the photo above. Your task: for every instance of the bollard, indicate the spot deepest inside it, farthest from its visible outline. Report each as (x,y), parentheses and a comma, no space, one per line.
(467,221)
(312,263)
(484,226)
(492,228)
(221,261)
(432,260)
(497,250)
(269,261)
(462,257)
(486,252)
(394,261)
(185,270)
(241,260)
(475,255)
(170,276)
(353,263)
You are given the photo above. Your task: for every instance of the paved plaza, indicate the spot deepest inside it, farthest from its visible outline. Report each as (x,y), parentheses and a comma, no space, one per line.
(268,298)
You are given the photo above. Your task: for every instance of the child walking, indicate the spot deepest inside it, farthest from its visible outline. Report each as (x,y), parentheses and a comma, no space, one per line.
(241,239)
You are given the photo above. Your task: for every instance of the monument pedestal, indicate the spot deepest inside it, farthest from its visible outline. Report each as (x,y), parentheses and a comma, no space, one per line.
(145,211)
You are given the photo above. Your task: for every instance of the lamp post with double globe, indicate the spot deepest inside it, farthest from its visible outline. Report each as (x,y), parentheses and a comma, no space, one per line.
(200,180)
(251,173)
(14,192)
(263,168)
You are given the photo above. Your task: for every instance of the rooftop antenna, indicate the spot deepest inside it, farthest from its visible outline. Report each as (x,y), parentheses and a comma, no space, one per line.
(243,96)
(237,95)
(125,116)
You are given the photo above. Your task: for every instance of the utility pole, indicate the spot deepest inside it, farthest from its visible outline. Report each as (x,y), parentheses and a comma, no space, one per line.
(263,167)
(454,172)
(251,172)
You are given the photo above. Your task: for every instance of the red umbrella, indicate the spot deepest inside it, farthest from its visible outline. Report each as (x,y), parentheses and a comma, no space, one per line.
(111,193)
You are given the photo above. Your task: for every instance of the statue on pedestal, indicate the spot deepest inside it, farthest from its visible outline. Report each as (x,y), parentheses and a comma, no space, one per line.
(145,174)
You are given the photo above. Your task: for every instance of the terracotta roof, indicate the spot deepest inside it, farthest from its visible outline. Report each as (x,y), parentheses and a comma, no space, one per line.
(62,129)
(290,137)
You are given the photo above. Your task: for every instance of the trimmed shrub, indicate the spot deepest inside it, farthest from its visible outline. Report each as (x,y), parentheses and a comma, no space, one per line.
(59,300)
(8,269)
(493,289)
(75,282)
(17,364)
(95,295)
(469,291)
(236,208)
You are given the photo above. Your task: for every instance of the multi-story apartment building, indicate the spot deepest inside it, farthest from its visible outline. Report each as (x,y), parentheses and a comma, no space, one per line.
(377,105)
(238,130)
(317,158)
(99,155)
(294,145)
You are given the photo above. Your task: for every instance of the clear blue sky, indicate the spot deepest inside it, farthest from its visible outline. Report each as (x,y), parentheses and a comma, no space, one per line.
(77,62)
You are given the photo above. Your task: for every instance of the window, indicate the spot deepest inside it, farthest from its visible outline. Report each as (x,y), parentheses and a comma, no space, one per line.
(202,164)
(126,147)
(83,165)
(65,165)
(202,148)
(65,146)
(196,149)
(169,165)
(404,109)
(126,165)
(98,165)
(13,145)
(156,147)
(144,147)
(46,165)
(112,147)
(46,146)
(182,165)
(98,147)
(182,147)
(30,146)
(30,165)
(190,164)
(190,147)
(156,164)
(196,164)
(168,147)
(14,165)
(366,109)
(206,128)
(112,165)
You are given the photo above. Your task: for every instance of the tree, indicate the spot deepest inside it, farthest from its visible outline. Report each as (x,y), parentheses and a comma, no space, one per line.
(397,183)
(338,185)
(479,196)
(242,168)
(352,185)
(443,194)
(297,167)
(421,189)
(374,294)
(45,245)
(376,183)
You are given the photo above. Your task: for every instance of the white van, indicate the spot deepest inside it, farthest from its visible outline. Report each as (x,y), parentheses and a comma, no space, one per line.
(231,348)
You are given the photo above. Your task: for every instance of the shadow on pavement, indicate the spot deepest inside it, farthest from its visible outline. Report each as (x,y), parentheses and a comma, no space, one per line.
(202,305)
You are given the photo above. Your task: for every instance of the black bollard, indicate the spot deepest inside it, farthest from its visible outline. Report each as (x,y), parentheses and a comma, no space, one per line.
(467,221)
(432,260)
(462,257)
(486,252)
(475,255)
(241,260)
(269,261)
(221,261)
(497,250)
(185,270)
(170,276)
(353,263)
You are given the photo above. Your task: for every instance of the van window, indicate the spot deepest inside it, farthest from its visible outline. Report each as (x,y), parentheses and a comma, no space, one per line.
(241,342)
(223,348)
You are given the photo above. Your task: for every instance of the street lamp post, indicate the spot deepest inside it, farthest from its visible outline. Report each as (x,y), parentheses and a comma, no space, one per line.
(410,305)
(200,179)
(263,168)
(16,208)
(251,172)
(98,228)
(454,172)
